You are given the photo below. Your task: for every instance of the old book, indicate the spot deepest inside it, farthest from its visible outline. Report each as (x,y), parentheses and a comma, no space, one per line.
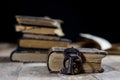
(34,20)
(91,58)
(29,55)
(92,41)
(42,43)
(39,30)
(44,37)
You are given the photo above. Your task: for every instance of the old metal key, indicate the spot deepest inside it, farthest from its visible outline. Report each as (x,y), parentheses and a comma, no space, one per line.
(72,63)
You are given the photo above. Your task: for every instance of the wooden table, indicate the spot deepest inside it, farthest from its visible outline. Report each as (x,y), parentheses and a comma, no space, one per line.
(38,71)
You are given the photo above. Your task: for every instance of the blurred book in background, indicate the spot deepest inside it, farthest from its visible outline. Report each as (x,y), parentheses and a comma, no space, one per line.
(93,41)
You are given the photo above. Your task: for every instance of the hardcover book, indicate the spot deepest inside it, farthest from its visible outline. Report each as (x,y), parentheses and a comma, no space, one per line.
(39,30)
(37,36)
(29,55)
(34,20)
(91,59)
(92,41)
(41,43)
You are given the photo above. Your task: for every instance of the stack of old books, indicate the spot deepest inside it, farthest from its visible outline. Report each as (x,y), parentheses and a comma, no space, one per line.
(39,35)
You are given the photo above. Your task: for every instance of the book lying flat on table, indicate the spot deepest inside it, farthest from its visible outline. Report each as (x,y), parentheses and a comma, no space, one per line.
(98,42)
(41,43)
(39,30)
(92,41)
(44,37)
(42,21)
(91,59)
(29,55)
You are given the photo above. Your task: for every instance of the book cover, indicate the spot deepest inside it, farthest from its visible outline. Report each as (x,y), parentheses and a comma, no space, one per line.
(29,55)
(41,43)
(92,41)
(34,20)
(39,30)
(91,59)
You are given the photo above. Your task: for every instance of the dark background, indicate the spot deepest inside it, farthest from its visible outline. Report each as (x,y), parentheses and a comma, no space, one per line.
(97,18)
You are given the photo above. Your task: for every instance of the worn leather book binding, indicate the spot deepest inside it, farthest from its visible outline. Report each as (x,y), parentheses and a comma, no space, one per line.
(32,20)
(41,43)
(75,60)
(41,30)
(29,55)
(39,25)
(92,41)
(44,37)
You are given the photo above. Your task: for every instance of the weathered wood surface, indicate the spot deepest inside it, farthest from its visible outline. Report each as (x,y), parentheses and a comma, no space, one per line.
(10,71)
(6,48)
(38,71)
